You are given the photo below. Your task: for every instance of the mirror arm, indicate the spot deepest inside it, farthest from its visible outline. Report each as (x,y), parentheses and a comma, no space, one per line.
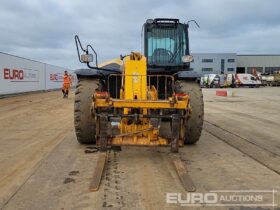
(89,46)
(194,22)
(79,45)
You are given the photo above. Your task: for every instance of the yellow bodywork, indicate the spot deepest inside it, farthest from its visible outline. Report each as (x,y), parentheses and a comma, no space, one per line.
(135,94)
(116,61)
(135,77)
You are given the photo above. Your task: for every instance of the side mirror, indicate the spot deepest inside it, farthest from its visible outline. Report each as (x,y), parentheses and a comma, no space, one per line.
(87,58)
(187,58)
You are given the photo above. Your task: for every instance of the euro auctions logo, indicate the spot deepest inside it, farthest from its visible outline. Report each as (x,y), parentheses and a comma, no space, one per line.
(224,198)
(21,75)
(56,77)
(13,74)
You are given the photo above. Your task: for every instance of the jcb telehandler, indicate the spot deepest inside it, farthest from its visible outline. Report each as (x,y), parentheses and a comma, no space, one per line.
(132,99)
(148,99)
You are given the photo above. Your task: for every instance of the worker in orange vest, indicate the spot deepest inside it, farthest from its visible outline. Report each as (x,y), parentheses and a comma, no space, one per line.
(67,82)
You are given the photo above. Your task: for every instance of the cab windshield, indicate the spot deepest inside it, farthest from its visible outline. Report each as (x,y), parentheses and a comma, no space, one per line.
(166,45)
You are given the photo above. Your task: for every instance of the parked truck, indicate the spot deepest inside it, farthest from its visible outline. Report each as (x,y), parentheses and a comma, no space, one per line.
(271,79)
(229,80)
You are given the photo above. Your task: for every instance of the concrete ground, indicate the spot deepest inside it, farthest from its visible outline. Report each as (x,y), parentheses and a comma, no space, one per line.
(43,167)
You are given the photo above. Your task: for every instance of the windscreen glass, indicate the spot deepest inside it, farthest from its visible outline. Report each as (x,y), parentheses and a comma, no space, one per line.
(166,45)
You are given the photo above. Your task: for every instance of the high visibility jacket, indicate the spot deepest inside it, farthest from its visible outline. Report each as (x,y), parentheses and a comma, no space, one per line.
(67,79)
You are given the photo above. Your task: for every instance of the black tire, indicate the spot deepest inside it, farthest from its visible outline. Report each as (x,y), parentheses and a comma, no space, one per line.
(195,121)
(85,125)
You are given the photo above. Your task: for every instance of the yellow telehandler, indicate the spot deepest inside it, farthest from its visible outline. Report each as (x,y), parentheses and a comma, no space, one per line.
(148,99)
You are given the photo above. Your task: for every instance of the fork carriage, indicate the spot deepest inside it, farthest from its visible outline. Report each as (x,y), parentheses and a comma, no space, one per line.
(136,104)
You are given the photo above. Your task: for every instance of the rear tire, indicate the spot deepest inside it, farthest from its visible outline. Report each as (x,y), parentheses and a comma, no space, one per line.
(85,125)
(194,123)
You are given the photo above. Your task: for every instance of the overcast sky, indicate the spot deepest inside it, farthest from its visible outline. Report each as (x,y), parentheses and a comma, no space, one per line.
(44,30)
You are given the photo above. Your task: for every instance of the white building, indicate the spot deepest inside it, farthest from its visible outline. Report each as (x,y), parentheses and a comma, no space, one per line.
(262,63)
(214,63)
(222,63)
(18,75)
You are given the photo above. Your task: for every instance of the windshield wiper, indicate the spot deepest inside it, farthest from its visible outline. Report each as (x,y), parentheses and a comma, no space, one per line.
(178,49)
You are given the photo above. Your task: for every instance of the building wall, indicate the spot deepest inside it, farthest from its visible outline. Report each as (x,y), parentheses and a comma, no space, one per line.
(19,75)
(214,63)
(262,63)
(211,63)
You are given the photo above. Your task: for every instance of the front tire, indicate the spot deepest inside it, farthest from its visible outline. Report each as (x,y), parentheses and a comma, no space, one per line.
(194,124)
(85,124)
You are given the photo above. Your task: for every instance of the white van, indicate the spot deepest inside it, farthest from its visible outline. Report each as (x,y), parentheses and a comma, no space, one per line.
(242,80)
(212,81)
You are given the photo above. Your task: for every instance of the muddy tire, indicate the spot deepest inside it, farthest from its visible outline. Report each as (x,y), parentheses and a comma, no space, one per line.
(195,122)
(85,125)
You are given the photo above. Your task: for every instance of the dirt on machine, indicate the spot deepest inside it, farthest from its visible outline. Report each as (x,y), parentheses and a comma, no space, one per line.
(145,99)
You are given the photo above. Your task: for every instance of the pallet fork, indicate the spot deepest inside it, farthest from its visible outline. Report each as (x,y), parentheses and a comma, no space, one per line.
(179,165)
